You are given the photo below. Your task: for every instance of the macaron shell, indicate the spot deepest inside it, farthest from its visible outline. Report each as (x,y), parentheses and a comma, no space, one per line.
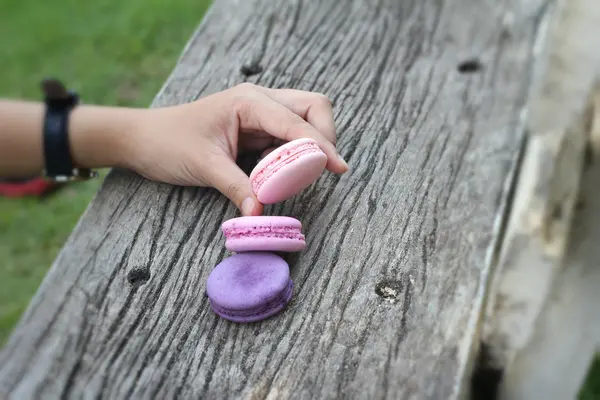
(269,311)
(273,157)
(261,220)
(292,178)
(264,244)
(247,281)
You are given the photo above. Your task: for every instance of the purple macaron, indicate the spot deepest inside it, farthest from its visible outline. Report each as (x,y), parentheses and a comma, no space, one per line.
(248,287)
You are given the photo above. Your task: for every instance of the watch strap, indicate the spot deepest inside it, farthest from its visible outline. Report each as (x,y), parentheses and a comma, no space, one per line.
(57,153)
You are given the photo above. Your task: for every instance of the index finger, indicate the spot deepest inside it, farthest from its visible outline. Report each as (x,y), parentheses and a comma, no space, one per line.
(315,108)
(260,112)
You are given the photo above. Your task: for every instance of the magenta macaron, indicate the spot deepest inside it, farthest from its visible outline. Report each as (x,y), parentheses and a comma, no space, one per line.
(249,287)
(287,170)
(263,233)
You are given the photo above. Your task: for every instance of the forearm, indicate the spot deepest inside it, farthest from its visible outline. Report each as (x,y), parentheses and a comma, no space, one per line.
(96,136)
(20,138)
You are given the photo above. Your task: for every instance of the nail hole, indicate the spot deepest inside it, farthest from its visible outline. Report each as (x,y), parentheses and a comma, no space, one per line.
(250,69)
(469,66)
(138,276)
(389,290)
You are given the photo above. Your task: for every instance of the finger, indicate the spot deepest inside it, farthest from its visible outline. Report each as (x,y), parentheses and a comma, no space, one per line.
(230,180)
(263,113)
(315,108)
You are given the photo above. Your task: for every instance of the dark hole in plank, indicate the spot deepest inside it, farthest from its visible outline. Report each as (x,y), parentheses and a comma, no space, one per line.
(251,69)
(470,66)
(486,378)
(389,290)
(138,276)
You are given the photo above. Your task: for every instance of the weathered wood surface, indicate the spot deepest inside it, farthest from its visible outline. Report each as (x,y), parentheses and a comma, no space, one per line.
(565,337)
(433,153)
(538,231)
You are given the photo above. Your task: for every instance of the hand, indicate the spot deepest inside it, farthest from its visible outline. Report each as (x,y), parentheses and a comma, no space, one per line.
(196,144)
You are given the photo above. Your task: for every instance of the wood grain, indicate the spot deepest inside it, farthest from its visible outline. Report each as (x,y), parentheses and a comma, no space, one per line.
(433,153)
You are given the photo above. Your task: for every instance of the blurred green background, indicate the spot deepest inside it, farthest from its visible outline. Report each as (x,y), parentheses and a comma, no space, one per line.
(113,52)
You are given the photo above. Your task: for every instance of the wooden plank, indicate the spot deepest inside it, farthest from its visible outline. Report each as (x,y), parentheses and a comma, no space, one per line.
(537,233)
(428,97)
(566,335)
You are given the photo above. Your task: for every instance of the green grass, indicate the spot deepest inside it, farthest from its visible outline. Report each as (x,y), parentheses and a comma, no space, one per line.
(591,389)
(113,52)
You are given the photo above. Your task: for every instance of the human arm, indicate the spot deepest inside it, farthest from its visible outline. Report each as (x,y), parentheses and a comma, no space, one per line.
(193,144)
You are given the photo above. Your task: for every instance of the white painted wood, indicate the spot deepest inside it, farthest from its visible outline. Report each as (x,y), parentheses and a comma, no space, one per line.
(534,245)
(565,338)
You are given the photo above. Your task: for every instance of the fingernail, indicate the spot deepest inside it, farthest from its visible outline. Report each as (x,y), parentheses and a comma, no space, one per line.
(343,161)
(247,206)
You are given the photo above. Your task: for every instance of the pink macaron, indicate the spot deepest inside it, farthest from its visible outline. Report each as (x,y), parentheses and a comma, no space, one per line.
(287,170)
(263,233)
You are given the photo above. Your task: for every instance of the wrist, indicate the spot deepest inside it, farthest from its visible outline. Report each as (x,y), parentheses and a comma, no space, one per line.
(98,136)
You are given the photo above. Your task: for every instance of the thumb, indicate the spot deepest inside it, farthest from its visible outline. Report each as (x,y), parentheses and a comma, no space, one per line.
(230,180)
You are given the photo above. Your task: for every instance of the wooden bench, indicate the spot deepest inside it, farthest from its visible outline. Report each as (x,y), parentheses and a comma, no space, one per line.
(440,267)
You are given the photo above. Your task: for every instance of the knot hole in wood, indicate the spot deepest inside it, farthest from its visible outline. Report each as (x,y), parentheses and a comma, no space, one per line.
(389,290)
(250,69)
(138,276)
(470,66)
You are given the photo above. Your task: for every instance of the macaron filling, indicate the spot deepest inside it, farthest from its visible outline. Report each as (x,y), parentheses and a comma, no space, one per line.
(281,161)
(282,232)
(272,305)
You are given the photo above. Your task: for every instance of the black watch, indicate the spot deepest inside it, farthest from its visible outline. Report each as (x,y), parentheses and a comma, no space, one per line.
(57,153)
